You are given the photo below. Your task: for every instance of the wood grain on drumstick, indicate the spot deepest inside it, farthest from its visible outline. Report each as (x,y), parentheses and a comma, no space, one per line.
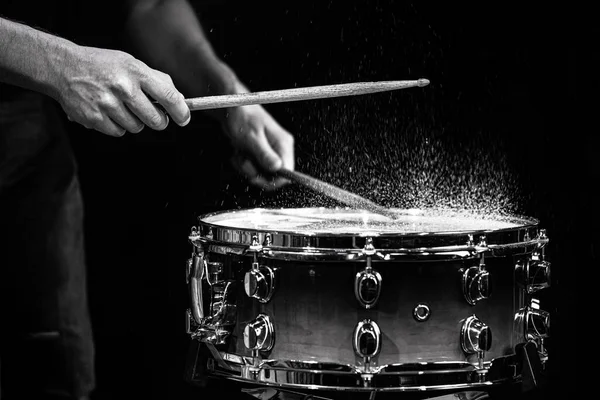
(337,193)
(297,94)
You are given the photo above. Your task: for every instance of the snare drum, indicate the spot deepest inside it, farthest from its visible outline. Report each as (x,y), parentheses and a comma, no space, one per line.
(347,300)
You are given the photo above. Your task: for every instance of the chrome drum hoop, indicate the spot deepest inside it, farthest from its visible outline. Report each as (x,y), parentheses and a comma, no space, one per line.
(522,238)
(355,253)
(416,377)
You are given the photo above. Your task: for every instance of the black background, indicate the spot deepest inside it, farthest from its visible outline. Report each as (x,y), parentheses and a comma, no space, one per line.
(502,83)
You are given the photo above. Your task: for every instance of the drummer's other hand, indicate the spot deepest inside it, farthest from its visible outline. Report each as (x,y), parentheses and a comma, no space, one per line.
(262,145)
(112,92)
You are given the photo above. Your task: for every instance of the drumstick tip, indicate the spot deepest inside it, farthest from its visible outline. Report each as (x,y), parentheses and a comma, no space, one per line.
(422,82)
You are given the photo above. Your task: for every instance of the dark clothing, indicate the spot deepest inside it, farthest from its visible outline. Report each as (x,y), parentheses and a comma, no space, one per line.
(46,346)
(45,337)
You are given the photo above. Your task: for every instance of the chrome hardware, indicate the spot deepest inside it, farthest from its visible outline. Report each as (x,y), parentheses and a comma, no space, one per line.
(289,245)
(268,240)
(421,312)
(217,327)
(255,246)
(470,241)
(422,378)
(482,241)
(367,283)
(542,237)
(221,304)
(534,274)
(188,322)
(367,339)
(211,334)
(194,233)
(259,282)
(196,270)
(259,334)
(475,336)
(214,272)
(476,281)
(367,286)
(369,249)
(533,323)
(189,264)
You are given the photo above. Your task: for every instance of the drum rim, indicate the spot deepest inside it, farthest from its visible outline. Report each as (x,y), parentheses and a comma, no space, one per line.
(287,374)
(526,222)
(288,243)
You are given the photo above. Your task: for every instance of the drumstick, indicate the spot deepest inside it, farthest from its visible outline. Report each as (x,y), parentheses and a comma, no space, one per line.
(296,94)
(337,193)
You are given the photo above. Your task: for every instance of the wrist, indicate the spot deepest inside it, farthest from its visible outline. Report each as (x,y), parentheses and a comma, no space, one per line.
(58,61)
(220,79)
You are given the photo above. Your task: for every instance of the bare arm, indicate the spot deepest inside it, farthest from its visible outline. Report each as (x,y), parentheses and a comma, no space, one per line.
(106,90)
(31,58)
(168,36)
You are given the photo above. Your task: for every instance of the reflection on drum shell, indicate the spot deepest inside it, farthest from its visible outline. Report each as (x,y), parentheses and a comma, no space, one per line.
(314,310)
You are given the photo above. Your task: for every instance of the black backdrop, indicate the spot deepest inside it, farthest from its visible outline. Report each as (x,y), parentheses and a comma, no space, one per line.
(502,82)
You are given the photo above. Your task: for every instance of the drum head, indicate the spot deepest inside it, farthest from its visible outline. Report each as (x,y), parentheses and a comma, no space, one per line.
(326,221)
(307,229)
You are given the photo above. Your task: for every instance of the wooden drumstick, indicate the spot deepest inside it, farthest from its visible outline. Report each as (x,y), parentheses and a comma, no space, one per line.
(297,94)
(337,193)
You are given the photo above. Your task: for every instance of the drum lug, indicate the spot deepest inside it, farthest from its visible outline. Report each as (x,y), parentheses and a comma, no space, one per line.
(259,334)
(367,287)
(533,274)
(477,281)
(259,282)
(367,283)
(476,338)
(534,324)
(367,341)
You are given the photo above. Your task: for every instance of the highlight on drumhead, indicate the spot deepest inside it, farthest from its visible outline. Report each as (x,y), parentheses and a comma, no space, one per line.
(323,220)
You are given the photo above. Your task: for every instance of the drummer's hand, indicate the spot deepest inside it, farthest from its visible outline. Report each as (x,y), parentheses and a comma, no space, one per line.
(112,92)
(262,146)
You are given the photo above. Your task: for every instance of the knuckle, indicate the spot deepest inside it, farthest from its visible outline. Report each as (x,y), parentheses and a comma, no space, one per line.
(129,61)
(167,78)
(172,96)
(107,101)
(93,119)
(123,87)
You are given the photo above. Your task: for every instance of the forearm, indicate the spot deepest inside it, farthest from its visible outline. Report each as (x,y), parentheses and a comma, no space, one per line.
(29,58)
(168,36)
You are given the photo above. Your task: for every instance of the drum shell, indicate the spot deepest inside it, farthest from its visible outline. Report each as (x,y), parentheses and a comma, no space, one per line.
(314,309)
